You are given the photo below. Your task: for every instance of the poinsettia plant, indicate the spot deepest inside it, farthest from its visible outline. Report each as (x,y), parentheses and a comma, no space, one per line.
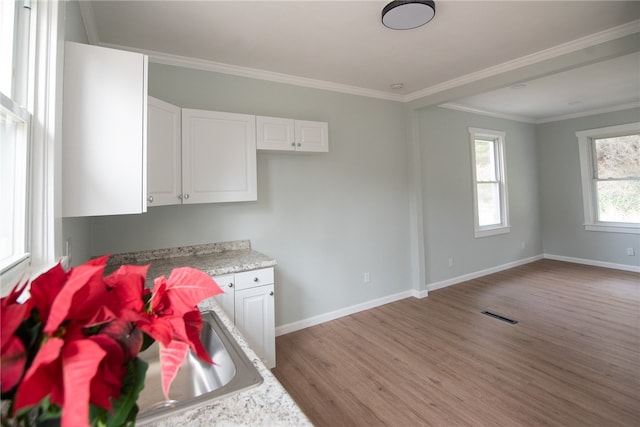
(69,351)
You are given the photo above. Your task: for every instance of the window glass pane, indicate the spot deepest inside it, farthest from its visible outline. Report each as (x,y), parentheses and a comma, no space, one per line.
(488,204)
(618,201)
(485,160)
(13,177)
(618,157)
(7,18)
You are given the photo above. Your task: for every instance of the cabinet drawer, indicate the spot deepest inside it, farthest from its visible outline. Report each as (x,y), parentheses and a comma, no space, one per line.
(251,279)
(225,283)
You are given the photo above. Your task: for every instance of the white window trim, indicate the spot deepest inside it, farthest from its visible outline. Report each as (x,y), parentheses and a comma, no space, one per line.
(499,136)
(588,186)
(44,223)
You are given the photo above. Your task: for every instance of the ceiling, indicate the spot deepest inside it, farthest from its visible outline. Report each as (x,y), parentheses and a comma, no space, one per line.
(343,46)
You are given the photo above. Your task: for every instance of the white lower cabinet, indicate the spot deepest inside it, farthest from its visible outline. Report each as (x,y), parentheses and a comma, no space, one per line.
(248,299)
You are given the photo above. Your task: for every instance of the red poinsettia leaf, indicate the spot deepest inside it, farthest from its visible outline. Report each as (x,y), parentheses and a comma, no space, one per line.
(193,326)
(80,361)
(126,286)
(103,315)
(45,288)
(12,316)
(186,287)
(126,334)
(171,358)
(159,303)
(15,293)
(107,382)
(158,328)
(77,280)
(44,375)
(13,361)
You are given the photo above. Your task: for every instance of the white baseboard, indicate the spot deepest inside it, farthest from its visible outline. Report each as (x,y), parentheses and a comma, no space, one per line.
(625,267)
(480,273)
(332,315)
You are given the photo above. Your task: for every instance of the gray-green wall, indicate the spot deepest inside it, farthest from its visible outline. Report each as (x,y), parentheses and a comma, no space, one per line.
(448,195)
(562,211)
(326,217)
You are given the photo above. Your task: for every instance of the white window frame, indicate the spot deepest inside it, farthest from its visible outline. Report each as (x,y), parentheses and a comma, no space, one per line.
(589,197)
(17,103)
(498,137)
(44,103)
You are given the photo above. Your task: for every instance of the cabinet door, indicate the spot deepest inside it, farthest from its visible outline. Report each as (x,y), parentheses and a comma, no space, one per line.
(218,157)
(274,133)
(226,300)
(312,136)
(104,131)
(164,179)
(255,317)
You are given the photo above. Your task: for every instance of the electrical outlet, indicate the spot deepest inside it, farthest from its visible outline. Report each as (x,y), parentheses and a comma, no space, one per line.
(367,277)
(450,262)
(631,252)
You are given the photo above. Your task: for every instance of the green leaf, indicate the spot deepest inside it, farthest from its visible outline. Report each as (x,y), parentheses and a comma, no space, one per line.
(147,340)
(125,408)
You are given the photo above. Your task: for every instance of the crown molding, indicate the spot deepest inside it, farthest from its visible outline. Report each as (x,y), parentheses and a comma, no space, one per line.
(543,55)
(525,119)
(86,10)
(254,73)
(590,112)
(88,19)
(466,109)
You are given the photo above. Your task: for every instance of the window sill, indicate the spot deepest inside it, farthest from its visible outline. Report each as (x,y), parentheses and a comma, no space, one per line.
(492,231)
(614,228)
(12,271)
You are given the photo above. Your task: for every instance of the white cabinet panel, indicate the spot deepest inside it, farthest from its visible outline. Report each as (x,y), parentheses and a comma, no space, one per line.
(274,133)
(164,153)
(218,157)
(249,301)
(312,136)
(104,131)
(255,317)
(226,300)
(253,278)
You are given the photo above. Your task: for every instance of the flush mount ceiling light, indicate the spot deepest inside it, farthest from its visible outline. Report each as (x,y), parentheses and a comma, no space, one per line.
(405,15)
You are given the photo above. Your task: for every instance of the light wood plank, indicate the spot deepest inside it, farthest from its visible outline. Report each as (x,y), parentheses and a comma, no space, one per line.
(572,360)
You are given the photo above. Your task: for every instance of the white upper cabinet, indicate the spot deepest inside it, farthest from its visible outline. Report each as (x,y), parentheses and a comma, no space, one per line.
(164,152)
(218,157)
(104,131)
(312,136)
(274,133)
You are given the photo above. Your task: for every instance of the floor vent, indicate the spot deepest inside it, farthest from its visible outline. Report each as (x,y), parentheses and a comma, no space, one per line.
(499,317)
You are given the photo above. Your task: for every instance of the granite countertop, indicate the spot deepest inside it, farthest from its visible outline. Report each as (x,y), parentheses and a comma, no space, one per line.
(215,259)
(267,404)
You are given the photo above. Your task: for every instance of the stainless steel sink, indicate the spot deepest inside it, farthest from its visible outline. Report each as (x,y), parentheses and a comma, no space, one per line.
(197,382)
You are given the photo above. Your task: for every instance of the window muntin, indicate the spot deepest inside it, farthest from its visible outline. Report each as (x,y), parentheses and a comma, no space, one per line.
(610,167)
(617,178)
(489,182)
(15,125)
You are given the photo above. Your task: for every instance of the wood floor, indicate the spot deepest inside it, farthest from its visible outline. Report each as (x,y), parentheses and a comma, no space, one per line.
(573,358)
